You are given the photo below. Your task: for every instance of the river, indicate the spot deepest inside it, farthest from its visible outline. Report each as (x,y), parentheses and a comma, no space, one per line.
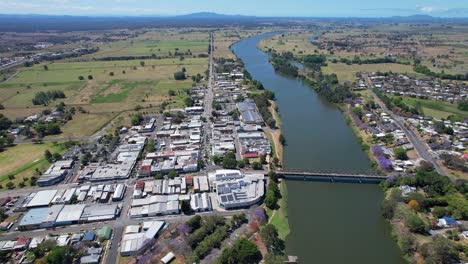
(330,222)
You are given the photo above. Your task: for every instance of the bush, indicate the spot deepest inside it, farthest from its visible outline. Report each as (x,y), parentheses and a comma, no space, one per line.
(416,224)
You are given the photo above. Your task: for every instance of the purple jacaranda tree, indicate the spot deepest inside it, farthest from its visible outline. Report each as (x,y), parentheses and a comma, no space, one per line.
(259,215)
(183,229)
(434,145)
(446,144)
(348,100)
(377,150)
(384,163)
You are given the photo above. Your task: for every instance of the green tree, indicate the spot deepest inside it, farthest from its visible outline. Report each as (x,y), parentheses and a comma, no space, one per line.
(137,119)
(440,250)
(180,75)
(185,207)
(48,155)
(358,111)
(150,145)
(172,174)
(271,239)
(416,224)
(257,165)
(229,161)
(400,153)
(242,251)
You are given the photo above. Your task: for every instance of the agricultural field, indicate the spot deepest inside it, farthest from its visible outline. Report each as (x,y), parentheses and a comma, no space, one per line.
(224,38)
(439,47)
(348,72)
(22,160)
(160,43)
(299,43)
(436,109)
(104,90)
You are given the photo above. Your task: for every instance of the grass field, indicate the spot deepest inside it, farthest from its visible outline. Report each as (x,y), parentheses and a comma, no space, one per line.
(104,94)
(160,43)
(348,72)
(296,42)
(22,160)
(279,218)
(436,109)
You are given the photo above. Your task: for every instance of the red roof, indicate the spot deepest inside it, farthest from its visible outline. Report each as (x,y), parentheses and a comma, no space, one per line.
(5,201)
(251,155)
(140,185)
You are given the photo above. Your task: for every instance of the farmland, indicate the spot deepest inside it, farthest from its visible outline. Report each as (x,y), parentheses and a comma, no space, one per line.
(436,109)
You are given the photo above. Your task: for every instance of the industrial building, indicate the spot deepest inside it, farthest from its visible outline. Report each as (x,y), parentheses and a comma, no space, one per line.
(200,202)
(56,173)
(249,113)
(40,218)
(40,198)
(132,243)
(237,190)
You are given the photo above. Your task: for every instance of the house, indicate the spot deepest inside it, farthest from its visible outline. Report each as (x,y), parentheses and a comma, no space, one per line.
(406,189)
(446,221)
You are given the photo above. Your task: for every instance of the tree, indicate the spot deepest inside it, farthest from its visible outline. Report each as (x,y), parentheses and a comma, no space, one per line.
(142,63)
(400,153)
(229,161)
(137,119)
(48,155)
(242,251)
(46,68)
(194,223)
(150,145)
(439,212)
(257,165)
(358,111)
(180,75)
(270,200)
(388,208)
(185,207)
(282,140)
(415,224)
(10,185)
(111,73)
(90,77)
(270,237)
(56,156)
(172,93)
(413,205)
(441,250)
(81,78)
(172,174)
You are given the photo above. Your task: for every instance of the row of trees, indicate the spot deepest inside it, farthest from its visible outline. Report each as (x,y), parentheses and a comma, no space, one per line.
(442,75)
(44,98)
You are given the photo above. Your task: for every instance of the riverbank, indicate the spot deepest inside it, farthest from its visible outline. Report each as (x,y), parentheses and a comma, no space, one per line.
(279,217)
(275,134)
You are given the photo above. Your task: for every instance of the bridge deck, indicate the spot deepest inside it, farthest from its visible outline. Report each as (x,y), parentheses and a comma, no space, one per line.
(329,174)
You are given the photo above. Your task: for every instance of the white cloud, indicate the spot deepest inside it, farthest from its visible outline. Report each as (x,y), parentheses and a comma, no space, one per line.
(431,9)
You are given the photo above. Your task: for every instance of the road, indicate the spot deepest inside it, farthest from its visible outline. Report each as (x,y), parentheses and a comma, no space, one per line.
(400,122)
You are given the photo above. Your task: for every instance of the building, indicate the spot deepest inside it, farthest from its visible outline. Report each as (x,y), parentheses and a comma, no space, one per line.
(200,202)
(249,112)
(40,218)
(56,173)
(237,190)
(41,198)
(132,243)
(119,192)
(70,214)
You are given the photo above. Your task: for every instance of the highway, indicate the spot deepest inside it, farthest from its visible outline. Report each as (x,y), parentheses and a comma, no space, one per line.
(418,145)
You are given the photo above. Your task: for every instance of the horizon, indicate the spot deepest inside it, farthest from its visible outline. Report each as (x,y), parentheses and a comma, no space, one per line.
(296,8)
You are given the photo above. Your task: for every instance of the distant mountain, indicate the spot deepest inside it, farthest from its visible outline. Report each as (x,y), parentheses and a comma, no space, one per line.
(211,15)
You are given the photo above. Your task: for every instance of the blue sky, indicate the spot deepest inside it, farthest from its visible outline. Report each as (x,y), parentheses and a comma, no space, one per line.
(315,8)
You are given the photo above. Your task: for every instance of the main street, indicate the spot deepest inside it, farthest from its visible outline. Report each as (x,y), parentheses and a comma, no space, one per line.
(400,122)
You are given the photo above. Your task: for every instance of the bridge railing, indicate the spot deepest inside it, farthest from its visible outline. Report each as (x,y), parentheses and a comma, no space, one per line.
(327,172)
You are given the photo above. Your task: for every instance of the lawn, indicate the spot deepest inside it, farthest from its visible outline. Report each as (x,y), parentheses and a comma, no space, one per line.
(279,218)
(84,125)
(21,160)
(436,109)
